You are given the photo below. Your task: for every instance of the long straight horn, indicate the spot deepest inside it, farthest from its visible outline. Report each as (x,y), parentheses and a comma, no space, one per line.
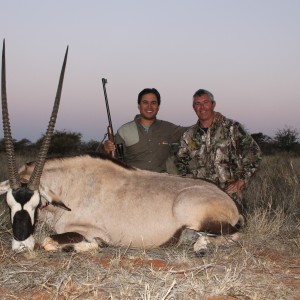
(14,178)
(34,181)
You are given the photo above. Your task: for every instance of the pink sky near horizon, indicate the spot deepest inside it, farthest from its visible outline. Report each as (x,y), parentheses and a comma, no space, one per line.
(245,52)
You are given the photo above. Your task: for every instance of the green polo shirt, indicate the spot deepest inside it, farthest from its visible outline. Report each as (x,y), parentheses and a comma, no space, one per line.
(148,149)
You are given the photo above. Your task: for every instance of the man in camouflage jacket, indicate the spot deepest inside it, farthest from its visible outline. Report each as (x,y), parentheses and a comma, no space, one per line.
(218,150)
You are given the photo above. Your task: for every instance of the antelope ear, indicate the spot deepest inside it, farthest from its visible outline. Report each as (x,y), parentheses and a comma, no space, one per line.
(4,187)
(60,204)
(52,198)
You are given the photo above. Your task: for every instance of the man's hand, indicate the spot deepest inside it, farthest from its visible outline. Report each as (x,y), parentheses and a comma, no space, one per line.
(219,116)
(236,187)
(109,146)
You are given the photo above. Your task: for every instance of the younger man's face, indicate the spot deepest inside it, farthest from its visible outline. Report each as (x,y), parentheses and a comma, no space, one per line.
(149,106)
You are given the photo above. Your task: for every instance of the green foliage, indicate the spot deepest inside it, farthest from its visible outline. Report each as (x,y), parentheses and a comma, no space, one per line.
(63,143)
(265,143)
(287,138)
(23,146)
(90,146)
(261,138)
(69,143)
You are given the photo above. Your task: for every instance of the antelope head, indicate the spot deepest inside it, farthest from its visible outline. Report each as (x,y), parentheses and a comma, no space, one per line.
(23,198)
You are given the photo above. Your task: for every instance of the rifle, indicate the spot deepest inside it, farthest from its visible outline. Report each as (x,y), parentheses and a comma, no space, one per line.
(110,132)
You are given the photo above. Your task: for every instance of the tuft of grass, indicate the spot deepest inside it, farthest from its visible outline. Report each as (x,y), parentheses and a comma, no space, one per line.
(276,185)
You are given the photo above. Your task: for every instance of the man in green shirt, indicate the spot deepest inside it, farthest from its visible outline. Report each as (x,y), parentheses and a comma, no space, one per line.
(147,141)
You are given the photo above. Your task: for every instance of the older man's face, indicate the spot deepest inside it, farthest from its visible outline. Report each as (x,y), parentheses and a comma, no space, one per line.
(204,108)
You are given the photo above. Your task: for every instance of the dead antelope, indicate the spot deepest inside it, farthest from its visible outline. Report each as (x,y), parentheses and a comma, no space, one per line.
(96,201)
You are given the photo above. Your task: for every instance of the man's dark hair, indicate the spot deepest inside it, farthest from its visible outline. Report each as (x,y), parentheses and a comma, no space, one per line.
(204,92)
(149,91)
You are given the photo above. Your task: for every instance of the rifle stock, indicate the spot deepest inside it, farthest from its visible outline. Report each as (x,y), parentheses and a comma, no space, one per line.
(110,135)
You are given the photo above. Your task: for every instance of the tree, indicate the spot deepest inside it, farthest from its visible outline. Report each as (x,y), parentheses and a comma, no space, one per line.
(265,143)
(63,143)
(287,138)
(90,146)
(22,146)
(261,138)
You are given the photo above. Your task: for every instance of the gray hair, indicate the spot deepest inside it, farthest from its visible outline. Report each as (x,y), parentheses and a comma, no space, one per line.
(204,92)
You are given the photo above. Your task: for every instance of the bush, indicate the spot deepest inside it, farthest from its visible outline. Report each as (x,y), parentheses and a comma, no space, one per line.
(63,143)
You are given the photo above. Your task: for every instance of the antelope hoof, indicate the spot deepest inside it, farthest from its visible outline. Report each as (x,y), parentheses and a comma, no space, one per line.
(200,247)
(50,245)
(201,252)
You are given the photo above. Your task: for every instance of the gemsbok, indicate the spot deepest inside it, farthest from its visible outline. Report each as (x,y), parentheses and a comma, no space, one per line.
(94,201)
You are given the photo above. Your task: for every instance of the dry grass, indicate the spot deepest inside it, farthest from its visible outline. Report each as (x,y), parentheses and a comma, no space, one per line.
(263,264)
(276,185)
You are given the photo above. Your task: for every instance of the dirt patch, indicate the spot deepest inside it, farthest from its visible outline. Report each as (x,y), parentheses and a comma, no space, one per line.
(134,263)
(135,275)
(285,267)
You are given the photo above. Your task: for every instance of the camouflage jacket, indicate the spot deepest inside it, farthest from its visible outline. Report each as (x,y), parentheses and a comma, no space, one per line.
(223,154)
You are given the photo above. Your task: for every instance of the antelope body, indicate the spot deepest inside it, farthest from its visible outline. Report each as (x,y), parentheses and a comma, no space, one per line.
(105,202)
(123,206)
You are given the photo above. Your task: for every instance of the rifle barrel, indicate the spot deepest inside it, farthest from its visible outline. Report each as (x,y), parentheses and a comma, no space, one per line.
(104,82)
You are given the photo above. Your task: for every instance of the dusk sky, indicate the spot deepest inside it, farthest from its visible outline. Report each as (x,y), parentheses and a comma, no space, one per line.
(246,52)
